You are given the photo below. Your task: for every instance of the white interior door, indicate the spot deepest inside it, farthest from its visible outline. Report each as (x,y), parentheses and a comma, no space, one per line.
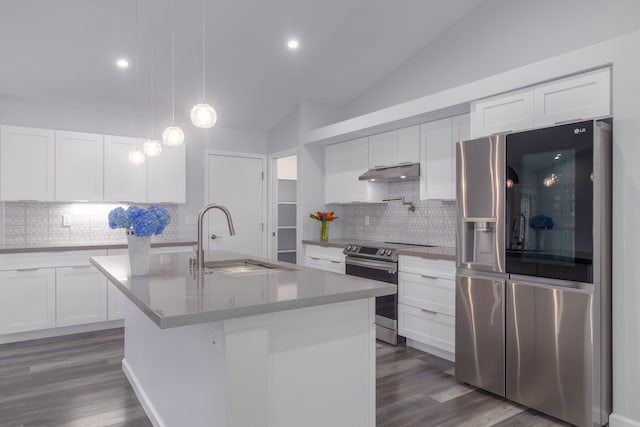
(237,182)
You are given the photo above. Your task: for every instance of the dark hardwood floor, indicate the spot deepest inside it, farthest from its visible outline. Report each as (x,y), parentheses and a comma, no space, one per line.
(77,380)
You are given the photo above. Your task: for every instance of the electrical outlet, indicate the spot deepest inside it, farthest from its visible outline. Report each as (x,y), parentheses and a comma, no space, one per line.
(66,220)
(366,220)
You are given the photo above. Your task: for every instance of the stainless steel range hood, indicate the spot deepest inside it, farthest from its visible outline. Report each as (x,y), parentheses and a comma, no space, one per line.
(402,172)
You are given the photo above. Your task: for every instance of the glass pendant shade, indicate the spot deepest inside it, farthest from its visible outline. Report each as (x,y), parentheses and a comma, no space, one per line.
(173,136)
(136,156)
(152,148)
(203,116)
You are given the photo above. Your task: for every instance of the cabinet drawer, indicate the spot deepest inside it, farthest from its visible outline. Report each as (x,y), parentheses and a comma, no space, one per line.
(322,252)
(434,329)
(431,293)
(325,264)
(440,268)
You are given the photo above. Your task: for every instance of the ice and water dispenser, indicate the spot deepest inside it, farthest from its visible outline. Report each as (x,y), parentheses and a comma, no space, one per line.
(480,169)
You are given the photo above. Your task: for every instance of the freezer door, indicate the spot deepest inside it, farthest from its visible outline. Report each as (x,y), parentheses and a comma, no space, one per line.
(549,350)
(480,332)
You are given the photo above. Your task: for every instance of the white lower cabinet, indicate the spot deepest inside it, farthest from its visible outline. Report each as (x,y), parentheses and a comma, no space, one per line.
(115,303)
(426,304)
(81,295)
(322,258)
(27,300)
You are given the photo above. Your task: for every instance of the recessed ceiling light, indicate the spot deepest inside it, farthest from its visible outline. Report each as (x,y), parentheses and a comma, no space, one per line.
(293,44)
(122,63)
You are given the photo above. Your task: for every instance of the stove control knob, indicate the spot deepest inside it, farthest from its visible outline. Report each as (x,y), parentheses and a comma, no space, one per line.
(348,248)
(354,248)
(388,252)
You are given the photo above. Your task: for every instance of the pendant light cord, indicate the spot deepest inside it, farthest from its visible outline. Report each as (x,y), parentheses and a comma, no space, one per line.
(204,37)
(136,68)
(152,84)
(173,64)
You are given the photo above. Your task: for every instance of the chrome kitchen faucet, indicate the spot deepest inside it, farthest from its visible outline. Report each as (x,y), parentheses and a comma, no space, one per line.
(203,211)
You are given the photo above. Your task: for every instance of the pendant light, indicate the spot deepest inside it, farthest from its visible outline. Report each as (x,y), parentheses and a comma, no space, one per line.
(203,115)
(152,147)
(173,135)
(136,156)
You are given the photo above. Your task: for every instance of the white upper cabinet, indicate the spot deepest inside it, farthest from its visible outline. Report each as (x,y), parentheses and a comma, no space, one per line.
(437,150)
(166,176)
(79,166)
(381,150)
(578,97)
(392,148)
(406,145)
(573,98)
(123,181)
(26,163)
(344,163)
(503,113)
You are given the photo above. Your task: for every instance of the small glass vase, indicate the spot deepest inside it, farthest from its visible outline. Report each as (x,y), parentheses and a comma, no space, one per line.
(138,253)
(324,230)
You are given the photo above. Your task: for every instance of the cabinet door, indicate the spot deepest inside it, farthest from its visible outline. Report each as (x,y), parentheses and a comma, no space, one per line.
(26,163)
(437,170)
(336,165)
(381,150)
(406,145)
(574,98)
(166,176)
(27,300)
(358,164)
(81,295)
(79,166)
(508,112)
(123,181)
(461,131)
(115,303)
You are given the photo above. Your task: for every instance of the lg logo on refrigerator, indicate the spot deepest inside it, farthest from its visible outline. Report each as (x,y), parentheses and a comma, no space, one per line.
(579,130)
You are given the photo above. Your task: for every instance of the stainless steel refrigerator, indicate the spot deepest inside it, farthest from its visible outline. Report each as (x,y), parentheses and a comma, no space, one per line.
(533,285)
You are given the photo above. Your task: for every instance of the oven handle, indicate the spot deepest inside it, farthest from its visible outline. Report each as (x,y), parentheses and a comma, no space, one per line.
(389,267)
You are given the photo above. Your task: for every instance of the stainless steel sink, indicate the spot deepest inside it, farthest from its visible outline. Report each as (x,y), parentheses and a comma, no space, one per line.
(243,267)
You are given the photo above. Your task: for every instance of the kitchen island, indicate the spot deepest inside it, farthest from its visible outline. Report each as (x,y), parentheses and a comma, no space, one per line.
(238,344)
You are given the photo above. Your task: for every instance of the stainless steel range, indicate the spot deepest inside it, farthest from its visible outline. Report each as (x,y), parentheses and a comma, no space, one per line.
(378,262)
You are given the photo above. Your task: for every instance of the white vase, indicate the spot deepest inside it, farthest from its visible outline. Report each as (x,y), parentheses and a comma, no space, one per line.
(138,254)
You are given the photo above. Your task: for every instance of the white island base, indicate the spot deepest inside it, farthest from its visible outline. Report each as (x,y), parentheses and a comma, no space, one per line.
(309,367)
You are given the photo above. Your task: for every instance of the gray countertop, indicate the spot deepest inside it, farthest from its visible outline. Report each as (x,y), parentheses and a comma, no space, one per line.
(173,294)
(435,252)
(84,246)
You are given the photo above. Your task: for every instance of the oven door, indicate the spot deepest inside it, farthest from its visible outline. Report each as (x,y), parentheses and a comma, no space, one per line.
(384,271)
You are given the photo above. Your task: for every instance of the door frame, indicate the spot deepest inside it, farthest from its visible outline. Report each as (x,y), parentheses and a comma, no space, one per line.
(272,211)
(263,159)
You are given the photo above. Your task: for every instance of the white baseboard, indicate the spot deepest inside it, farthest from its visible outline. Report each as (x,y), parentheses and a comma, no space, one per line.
(146,404)
(616,420)
(56,332)
(431,350)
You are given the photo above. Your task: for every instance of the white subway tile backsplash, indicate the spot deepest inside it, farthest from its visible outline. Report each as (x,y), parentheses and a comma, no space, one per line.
(433,222)
(33,223)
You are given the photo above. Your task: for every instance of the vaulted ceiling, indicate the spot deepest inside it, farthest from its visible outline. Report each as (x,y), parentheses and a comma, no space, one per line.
(63,52)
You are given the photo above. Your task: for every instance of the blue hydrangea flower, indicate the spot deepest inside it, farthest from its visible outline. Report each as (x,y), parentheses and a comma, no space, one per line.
(541,222)
(163,217)
(144,222)
(119,218)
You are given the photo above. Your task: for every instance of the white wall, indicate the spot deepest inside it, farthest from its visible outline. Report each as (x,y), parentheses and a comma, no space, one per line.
(197,141)
(497,36)
(284,136)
